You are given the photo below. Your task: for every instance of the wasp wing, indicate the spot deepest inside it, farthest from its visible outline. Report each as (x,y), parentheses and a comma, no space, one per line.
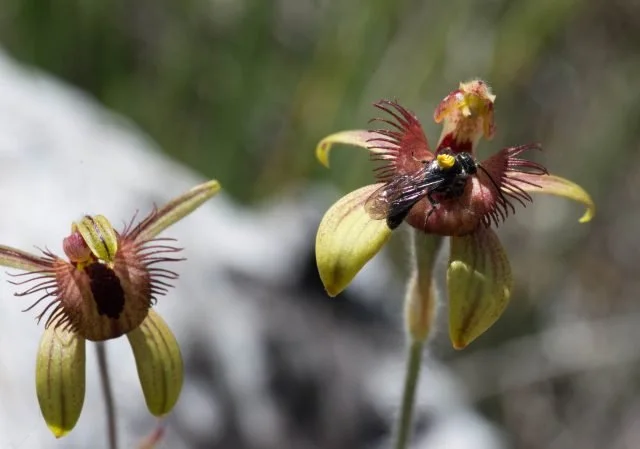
(397,196)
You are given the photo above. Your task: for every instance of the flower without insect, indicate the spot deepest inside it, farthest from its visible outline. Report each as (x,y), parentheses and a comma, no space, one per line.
(105,290)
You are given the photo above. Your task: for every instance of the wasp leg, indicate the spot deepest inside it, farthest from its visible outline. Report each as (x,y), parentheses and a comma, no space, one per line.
(393,221)
(434,205)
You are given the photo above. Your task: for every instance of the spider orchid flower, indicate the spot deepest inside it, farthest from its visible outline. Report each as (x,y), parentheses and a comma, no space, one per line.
(479,277)
(104,289)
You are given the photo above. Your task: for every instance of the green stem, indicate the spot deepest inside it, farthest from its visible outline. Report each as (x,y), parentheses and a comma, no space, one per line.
(107,392)
(405,420)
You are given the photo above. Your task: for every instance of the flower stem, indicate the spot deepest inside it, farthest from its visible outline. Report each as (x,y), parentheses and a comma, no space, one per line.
(107,392)
(405,419)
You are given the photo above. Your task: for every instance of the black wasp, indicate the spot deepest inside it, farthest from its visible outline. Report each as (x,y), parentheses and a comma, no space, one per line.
(446,174)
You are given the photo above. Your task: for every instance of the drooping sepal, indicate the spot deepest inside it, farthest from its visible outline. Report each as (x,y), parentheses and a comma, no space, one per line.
(479,282)
(60,379)
(159,363)
(347,239)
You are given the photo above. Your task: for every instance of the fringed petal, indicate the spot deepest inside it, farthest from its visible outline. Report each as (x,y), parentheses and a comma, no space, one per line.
(497,174)
(405,141)
(401,148)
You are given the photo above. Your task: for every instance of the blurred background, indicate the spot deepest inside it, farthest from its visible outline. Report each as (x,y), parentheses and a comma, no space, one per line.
(242,90)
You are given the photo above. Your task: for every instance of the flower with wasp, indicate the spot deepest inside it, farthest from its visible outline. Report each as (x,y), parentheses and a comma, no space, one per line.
(103,289)
(445,192)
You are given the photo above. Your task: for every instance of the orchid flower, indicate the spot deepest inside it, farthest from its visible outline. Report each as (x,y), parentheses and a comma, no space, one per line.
(479,279)
(104,289)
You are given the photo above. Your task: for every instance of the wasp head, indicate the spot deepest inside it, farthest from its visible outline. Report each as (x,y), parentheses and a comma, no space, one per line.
(467,163)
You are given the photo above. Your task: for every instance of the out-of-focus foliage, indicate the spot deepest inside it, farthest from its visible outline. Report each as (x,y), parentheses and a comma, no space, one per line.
(244,89)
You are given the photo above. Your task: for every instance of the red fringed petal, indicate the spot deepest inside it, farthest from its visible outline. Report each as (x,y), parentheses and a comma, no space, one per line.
(402,148)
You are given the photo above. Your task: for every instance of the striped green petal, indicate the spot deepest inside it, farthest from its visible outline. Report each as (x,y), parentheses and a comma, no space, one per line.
(159,363)
(479,282)
(60,378)
(347,239)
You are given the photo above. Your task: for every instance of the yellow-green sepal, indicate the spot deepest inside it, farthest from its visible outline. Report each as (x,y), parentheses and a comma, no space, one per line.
(159,363)
(347,239)
(358,137)
(99,235)
(479,282)
(556,185)
(177,209)
(60,379)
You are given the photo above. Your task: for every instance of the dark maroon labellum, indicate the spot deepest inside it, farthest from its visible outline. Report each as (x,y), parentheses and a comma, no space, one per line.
(106,290)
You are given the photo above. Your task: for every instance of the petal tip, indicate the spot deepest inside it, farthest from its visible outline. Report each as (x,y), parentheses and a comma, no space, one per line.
(458,344)
(212,186)
(588,215)
(556,185)
(334,279)
(322,153)
(330,278)
(333,291)
(58,432)
(358,138)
